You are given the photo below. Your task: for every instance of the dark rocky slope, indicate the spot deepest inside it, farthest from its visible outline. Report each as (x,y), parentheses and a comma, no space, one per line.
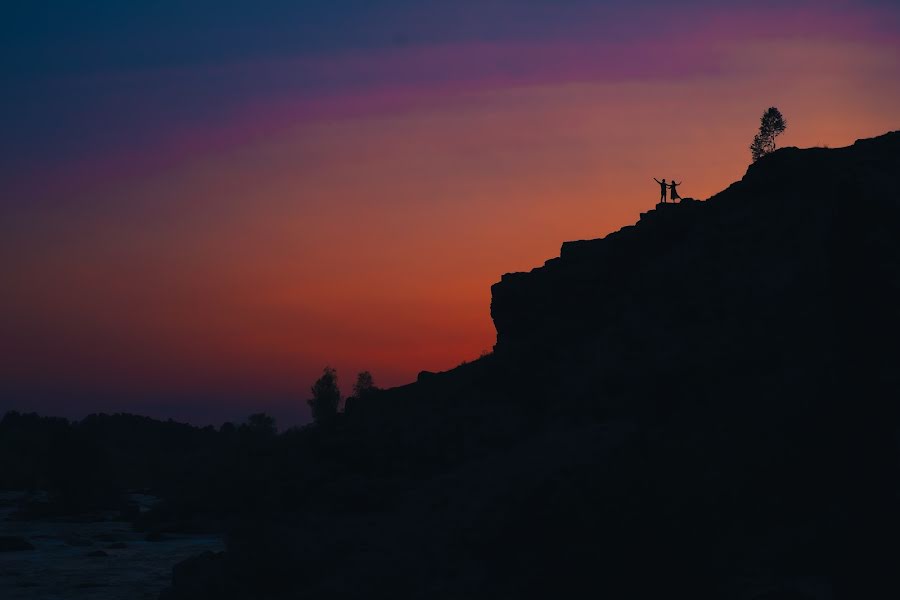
(759,282)
(702,405)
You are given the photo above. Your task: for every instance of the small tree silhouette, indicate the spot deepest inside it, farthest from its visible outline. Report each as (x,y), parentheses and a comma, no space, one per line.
(771,124)
(364,384)
(326,397)
(363,387)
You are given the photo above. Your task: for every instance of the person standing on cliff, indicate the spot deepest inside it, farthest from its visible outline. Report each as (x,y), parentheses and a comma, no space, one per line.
(662,189)
(674,195)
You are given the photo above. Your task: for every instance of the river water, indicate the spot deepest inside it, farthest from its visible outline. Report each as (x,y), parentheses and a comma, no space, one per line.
(61,565)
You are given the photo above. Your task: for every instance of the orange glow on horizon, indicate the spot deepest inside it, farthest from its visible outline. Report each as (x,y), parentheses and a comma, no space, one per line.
(371,242)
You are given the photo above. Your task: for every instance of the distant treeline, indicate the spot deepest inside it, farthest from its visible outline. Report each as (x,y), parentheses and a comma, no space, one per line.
(209,479)
(89,465)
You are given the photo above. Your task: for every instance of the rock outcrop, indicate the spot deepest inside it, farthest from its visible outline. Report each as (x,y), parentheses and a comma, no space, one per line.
(768,276)
(703,404)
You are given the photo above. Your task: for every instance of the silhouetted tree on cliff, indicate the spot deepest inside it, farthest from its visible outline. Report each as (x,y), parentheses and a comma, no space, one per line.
(326,397)
(363,388)
(771,124)
(364,384)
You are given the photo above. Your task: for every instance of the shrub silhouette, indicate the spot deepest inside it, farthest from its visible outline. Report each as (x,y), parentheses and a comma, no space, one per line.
(771,124)
(364,384)
(363,388)
(326,397)
(261,423)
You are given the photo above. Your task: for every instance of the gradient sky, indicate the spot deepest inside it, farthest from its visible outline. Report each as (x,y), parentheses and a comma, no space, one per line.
(204,203)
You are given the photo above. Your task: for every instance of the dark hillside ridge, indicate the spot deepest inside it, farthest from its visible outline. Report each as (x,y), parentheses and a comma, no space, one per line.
(701,405)
(747,276)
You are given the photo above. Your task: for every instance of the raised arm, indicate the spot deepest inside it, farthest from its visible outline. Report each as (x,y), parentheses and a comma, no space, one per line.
(657,180)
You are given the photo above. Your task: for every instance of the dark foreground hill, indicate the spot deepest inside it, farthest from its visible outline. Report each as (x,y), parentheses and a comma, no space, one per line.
(702,405)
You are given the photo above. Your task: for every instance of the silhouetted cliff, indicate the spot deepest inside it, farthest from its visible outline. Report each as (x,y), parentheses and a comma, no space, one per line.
(700,405)
(767,277)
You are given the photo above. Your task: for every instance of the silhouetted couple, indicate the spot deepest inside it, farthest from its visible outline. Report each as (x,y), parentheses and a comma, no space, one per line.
(662,189)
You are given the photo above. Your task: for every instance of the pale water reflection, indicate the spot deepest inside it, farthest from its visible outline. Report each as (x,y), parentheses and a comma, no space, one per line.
(95,560)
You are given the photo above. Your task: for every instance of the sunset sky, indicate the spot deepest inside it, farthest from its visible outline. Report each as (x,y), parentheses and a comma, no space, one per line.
(204,203)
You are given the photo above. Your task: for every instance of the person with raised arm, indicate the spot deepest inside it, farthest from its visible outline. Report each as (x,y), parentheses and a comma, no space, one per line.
(662,189)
